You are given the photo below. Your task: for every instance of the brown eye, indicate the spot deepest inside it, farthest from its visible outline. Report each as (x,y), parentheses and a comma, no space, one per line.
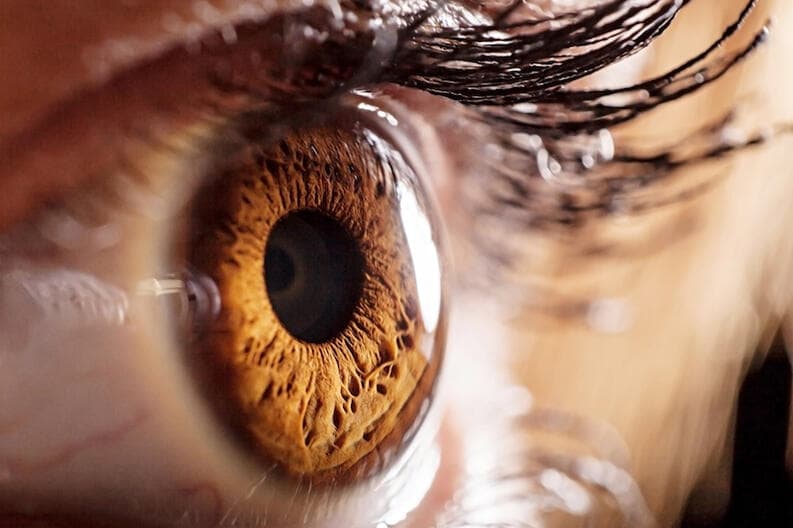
(330,336)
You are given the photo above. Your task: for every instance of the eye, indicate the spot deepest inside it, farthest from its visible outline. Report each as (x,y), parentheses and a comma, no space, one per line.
(264,301)
(240,320)
(323,357)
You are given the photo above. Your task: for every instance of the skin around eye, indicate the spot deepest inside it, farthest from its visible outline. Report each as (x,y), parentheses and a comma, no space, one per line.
(323,354)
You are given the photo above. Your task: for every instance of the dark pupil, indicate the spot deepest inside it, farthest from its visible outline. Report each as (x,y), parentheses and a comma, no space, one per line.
(313,271)
(279,269)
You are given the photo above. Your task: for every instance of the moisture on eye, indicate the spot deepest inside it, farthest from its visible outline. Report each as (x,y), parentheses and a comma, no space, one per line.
(326,350)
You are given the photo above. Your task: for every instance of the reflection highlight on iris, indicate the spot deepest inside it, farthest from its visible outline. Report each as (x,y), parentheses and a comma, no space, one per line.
(424,255)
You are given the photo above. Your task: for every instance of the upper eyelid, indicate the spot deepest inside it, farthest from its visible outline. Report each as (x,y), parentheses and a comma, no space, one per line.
(78,49)
(84,136)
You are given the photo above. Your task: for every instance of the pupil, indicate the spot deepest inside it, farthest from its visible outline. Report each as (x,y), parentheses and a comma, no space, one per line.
(313,271)
(279,269)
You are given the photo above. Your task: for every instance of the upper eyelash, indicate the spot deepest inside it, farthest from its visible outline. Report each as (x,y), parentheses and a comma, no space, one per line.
(520,85)
(483,65)
(589,112)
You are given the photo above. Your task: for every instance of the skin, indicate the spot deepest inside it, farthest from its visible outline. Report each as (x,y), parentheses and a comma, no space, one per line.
(666,385)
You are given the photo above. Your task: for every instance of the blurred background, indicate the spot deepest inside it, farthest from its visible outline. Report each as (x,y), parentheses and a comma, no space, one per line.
(761,487)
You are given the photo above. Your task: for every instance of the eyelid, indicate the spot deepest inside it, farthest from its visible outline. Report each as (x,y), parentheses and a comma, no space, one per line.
(86,136)
(51,54)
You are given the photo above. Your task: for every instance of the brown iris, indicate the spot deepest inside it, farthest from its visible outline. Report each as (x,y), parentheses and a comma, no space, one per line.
(318,355)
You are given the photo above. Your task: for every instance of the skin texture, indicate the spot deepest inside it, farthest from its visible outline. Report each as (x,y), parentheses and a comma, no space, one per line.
(699,305)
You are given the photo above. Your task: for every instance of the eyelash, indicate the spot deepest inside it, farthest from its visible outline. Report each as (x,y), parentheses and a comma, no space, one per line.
(561,121)
(552,164)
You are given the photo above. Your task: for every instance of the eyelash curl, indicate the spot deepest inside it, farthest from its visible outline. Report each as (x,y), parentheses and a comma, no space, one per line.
(553,165)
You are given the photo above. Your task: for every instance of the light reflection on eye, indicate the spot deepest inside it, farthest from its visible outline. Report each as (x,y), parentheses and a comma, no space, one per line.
(424,254)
